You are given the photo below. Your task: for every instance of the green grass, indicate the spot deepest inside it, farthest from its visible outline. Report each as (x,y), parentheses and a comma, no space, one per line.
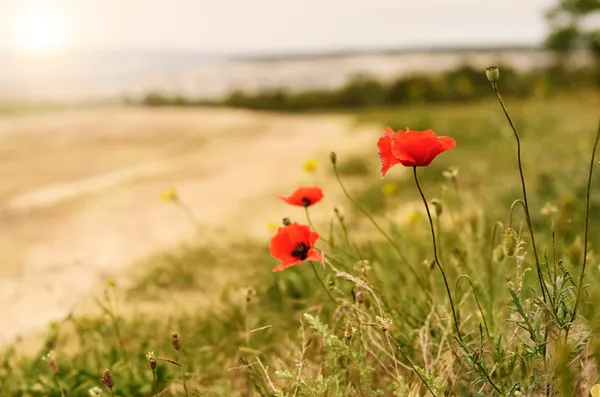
(278,334)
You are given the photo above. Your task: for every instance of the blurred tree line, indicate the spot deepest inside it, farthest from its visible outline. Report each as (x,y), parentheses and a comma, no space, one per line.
(574,26)
(463,84)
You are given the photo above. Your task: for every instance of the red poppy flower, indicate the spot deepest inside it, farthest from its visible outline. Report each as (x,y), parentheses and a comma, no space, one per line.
(304,196)
(294,244)
(411,148)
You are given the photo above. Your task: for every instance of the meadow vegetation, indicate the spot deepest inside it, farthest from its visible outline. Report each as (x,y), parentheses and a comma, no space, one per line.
(461,85)
(375,317)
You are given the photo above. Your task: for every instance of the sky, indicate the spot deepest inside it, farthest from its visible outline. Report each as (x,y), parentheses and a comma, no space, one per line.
(268,26)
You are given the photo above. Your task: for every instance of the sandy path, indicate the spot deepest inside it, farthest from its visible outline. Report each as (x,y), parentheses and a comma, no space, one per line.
(79,192)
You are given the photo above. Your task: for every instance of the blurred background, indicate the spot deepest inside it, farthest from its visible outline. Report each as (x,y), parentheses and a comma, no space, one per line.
(104,105)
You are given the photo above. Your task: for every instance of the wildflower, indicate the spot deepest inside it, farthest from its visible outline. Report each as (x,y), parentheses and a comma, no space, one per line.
(548,209)
(107,379)
(411,148)
(595,392)
(111,283)
(272,226)
(383,323)
(175,341)
(310,166)
(169,196)
(294,244)
(510,241)
(413,218)
(151,360)
(304,196)
(451,173)
(389,189)
(95,391)
(493,74)
(50,358)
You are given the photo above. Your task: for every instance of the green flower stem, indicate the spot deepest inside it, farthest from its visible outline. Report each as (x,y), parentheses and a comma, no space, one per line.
(585,244)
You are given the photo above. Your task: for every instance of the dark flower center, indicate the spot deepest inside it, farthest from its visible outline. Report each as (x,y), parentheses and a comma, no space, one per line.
(305,201)
(300,251)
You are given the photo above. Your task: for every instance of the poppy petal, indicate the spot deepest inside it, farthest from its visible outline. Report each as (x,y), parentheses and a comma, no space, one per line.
(384,146)
(312,193)
(285,265)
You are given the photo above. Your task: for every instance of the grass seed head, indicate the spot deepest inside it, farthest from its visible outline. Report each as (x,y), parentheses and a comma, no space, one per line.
(510,241)
(175,341)
(107,379)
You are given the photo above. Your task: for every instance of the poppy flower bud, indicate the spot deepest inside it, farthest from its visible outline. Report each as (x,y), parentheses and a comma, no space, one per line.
(510,241)
(333,158)
(338,213)
(437,205)
(493,74)
(499,254)
(286,221)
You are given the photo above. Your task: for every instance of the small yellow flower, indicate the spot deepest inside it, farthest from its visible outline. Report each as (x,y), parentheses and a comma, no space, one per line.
(310,166)
(169,196)
(272,226)
(413,218)
(595,390)
(111,283)
(389,189)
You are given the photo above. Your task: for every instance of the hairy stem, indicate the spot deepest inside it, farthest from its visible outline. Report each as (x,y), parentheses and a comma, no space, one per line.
(321,282)
(409,362)
(527,213)
(437,262)
(435,255)
(585,244)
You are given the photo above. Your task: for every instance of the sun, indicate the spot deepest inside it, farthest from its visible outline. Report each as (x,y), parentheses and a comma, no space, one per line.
(40,30)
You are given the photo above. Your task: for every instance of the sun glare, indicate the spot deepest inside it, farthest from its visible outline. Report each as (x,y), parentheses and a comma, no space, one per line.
(39,30)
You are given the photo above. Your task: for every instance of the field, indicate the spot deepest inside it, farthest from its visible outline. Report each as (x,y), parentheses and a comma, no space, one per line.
(375,319)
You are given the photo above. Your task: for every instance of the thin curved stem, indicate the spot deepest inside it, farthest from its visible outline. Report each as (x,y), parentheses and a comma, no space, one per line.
(383,232)
(321,282)
(435,255)
(437,261)
(527,213)
(487,331)
(585,244)
(390,337)
(512,209)
(154,382)
(308,219)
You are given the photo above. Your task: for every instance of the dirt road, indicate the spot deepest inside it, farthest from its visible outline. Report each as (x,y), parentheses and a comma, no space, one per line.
(79,191)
